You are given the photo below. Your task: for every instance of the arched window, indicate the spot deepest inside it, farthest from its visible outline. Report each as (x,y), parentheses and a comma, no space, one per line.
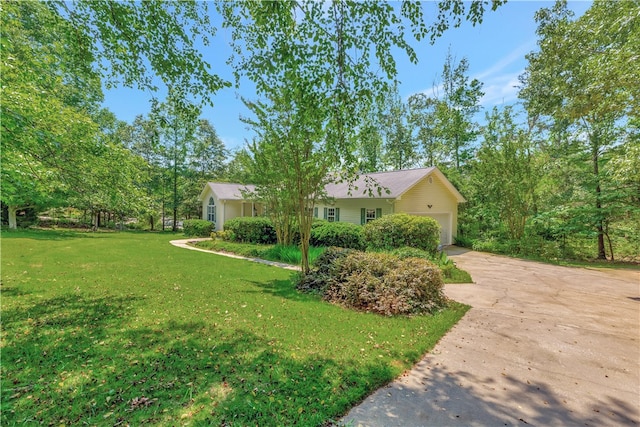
(211,210)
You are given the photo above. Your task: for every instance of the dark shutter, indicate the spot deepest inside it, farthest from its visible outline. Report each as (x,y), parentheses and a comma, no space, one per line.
(315,212)
(378,212)
(326,213)
(337,214)
(363,216)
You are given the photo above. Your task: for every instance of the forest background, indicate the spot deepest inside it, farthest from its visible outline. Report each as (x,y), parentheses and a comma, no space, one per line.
(555,176)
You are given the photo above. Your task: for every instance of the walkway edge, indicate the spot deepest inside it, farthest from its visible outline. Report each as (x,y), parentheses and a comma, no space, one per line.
(184,243)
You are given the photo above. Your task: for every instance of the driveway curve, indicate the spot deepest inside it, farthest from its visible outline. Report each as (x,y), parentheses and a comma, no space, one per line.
(542,345)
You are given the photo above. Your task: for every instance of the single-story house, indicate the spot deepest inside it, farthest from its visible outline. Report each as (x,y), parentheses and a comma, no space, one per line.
(424,192)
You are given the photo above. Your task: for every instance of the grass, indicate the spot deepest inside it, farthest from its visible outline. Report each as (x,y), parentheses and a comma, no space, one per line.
(123,328)
(286,254)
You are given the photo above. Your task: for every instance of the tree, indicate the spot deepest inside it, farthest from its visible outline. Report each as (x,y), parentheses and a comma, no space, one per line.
(312,64)
(504,175)
(584,79)
(455,111)
(132,42)
(400,150)
(177,120)
(209,154)
(47,100)
(423,120)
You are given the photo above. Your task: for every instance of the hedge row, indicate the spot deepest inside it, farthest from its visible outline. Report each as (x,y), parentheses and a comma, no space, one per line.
(385,233)
(340,234)
(197,228)
(251,230)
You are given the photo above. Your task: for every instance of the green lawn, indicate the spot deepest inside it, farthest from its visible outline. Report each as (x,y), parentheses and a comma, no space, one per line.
(123,328)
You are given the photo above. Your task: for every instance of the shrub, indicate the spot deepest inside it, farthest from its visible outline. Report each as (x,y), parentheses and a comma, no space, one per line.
(377,282)
(222,235)
(197,228)
(251,230)
(409,252)
(325,269)
(464,242)
(398,230)
(341,234)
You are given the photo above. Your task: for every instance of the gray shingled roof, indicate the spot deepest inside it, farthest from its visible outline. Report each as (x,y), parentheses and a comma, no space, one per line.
(229,191)
(397,182)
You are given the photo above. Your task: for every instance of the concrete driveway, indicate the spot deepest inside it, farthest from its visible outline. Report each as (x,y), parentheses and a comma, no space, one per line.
(543,345)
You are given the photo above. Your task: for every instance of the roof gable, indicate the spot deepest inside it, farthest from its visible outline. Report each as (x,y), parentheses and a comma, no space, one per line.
(392,184)
(227,190)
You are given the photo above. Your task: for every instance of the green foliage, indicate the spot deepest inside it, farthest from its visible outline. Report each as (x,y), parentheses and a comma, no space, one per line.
(399,230)
(197,227)
(251,230)
(377,282)
(409,252)
(504,175)
(286,254)
(341,234)
(463,241)
(587,103)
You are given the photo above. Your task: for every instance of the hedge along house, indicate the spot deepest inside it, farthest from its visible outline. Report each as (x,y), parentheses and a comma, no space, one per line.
(422,192)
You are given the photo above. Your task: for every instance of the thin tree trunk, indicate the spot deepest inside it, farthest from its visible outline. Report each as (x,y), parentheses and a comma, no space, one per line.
(601,250)
(13,223)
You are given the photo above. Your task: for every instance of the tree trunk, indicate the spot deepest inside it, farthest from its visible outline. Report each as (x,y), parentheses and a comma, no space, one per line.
(175,183)
(600,226)
(13,223)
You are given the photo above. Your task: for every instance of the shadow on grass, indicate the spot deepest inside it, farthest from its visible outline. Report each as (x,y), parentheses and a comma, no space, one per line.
(52,234)
(285,289)
(88,359)
(10,291)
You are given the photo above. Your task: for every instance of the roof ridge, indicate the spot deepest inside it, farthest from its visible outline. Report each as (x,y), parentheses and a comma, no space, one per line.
(397,170)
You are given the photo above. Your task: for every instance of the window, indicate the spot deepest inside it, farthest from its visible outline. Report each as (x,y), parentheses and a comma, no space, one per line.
(211,210)
(332,214)
(370,215)
(367,214)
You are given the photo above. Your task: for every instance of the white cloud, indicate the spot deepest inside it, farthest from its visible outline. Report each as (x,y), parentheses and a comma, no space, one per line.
(499,81)
(500,89)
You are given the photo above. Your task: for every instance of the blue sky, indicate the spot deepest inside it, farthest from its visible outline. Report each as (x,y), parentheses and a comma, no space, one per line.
(495,49)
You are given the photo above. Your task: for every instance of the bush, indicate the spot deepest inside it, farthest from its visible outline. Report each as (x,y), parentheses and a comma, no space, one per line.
(398,230)
(251,230)
(464,242)
(197,228)
(222,235)
(409,252)
(377,282)
(340,234)
(325,269)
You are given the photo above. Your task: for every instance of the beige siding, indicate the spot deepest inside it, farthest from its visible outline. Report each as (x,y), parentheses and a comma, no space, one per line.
(431,198)
(350,209)
(232,209)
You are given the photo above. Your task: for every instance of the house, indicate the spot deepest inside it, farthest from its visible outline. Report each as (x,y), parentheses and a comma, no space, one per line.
(424,192)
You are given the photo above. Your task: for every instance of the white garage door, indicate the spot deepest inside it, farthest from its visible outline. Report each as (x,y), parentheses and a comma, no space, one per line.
(445,227)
